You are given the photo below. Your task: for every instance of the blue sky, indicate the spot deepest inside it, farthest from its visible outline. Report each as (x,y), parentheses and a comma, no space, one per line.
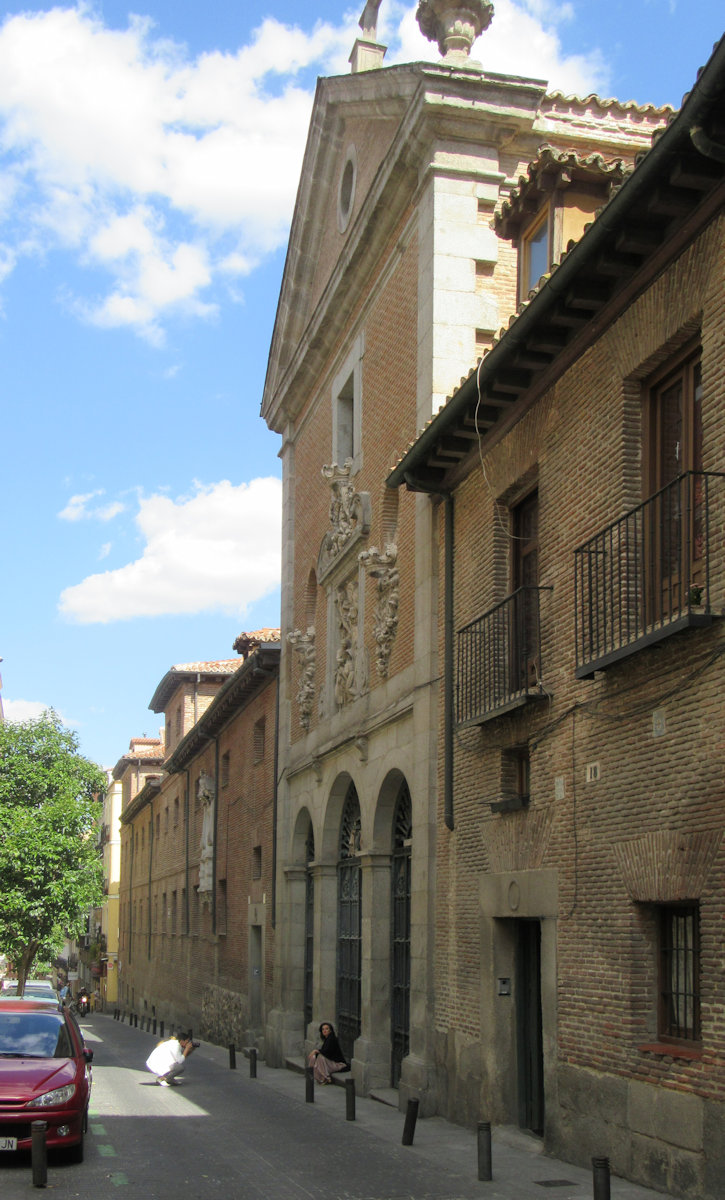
(148,168)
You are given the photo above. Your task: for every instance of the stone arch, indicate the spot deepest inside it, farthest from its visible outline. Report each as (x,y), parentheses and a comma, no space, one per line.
(385,810)
(300,836)
(328,848)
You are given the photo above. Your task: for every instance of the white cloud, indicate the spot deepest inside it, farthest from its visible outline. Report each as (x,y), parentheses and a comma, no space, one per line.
(79,508)
(16,711)
(170,173)
(216,551)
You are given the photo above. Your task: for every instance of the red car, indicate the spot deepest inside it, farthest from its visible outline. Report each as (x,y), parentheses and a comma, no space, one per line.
(45,1075)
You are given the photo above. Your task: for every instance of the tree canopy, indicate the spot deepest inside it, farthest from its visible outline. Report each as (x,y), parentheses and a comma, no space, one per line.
(50,872)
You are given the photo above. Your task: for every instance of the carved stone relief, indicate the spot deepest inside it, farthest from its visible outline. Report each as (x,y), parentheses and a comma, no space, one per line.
(349,518)
(381,567)
(304,645)
(346,614)
(206,791)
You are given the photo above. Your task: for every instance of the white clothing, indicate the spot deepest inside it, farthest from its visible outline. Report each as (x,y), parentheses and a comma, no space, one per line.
(166,1055)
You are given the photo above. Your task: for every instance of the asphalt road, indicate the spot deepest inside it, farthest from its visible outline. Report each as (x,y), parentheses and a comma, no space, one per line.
(223,1134)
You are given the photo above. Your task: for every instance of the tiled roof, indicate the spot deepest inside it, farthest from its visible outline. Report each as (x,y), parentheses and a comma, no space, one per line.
(575,101)
(221,666)
(549,169)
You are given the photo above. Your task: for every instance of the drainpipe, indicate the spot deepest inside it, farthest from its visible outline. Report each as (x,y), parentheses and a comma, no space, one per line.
(448,641)
(151,864)
(214,852)
(186,852)
(275,793)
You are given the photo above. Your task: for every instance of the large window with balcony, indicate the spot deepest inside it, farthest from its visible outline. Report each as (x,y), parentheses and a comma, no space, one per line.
(647,574)
(498,654)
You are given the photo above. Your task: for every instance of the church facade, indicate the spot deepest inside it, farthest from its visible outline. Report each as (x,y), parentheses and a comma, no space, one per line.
(398,277)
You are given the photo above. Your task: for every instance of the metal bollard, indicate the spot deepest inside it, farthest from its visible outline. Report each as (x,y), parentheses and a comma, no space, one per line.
(232,1057)
(154,1026)
(253,1062)
(484,1150)
(600,1178)
(411,1117)
(309,1086)
(39,1152)
(349,1099)
(162,1031)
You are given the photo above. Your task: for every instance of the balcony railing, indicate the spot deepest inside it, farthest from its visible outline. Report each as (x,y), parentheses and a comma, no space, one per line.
(647,575)
(498,659)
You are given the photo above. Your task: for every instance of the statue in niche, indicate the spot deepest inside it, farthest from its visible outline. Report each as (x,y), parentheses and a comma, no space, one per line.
(382,568)
(346,604)
(304,645)
(206,792)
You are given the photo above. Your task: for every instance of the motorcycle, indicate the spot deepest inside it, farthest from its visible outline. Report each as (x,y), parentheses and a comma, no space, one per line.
(84,1004)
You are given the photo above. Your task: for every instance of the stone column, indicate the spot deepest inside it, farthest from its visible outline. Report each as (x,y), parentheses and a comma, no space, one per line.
(372,1048)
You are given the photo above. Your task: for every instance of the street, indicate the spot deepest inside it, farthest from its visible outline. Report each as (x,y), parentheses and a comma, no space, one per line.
(223,1134)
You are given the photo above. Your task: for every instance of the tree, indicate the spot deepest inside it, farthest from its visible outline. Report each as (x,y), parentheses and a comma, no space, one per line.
(50,873)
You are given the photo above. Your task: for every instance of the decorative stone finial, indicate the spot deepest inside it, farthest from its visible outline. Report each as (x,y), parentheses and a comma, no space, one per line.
(367,53)
(454,24)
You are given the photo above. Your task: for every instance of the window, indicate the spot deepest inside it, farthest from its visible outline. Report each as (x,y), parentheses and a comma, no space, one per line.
(259,730)
(515,780)
(673,462)
(524,584)
(346,408)
(535,255)
(679,972)
(257,862)
(176,811)
(225,769)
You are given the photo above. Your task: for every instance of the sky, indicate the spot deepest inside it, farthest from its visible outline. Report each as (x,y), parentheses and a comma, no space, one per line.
(149,161)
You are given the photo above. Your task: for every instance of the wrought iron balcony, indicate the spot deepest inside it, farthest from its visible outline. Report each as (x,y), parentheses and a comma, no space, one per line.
(498,659)
(648,574)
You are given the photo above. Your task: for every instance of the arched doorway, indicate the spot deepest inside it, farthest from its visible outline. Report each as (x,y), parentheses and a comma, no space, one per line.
(349,929)
(400,932)
(309,922)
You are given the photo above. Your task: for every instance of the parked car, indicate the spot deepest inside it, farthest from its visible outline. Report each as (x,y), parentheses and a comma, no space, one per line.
(36,985)
(48,999)
(45,1075)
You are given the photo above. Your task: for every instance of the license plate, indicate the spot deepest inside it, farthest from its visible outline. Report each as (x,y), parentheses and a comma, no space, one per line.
(7,1143)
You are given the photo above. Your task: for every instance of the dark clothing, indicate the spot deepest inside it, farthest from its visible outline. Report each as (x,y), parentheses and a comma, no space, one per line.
(331,1049)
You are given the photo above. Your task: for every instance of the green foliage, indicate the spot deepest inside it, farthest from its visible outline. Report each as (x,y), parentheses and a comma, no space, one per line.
(50,873)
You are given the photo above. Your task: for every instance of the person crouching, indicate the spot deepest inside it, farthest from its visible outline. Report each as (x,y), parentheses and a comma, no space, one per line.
(168,1058)
(329,1058)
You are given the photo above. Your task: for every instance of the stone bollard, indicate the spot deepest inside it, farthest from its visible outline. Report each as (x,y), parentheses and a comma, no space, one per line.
(600,1178)
(411,1117)
(484,1150)
(39,1152)
(349,1099)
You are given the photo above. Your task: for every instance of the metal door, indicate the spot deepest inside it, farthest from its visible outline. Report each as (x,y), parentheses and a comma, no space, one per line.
(400,933)
(349,940)
(530,1051)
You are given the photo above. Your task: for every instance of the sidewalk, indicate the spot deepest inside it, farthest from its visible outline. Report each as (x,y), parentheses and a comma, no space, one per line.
(521,1171)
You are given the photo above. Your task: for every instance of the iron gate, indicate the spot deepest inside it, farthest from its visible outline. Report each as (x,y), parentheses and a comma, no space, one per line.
(400,933)
(349,947)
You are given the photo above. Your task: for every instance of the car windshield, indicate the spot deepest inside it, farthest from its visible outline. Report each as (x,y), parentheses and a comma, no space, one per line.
(34,1035)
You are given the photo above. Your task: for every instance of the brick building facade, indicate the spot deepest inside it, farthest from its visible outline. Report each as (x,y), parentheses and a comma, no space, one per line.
(197,888)
(580,891)
(394,280)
